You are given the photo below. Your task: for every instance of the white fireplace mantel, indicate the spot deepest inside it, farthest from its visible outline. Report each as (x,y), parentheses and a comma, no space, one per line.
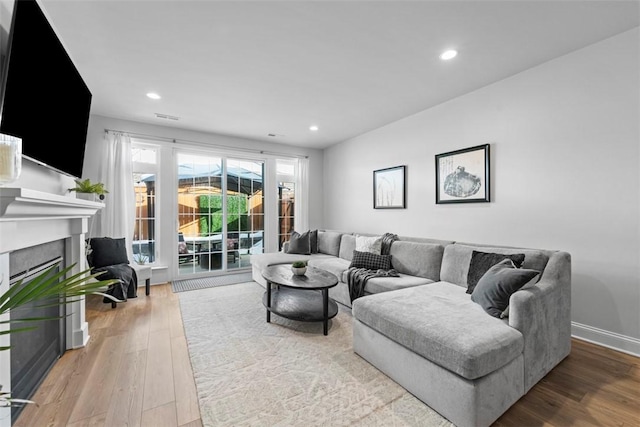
(22,209)
(26,204)
(29,218)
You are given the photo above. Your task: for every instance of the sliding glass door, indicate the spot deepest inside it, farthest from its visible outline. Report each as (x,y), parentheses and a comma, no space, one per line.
(220,213)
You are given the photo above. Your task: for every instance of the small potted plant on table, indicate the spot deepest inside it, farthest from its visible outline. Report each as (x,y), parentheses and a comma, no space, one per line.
(299,268)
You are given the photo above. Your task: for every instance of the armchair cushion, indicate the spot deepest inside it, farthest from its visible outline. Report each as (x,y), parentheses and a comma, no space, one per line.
(106,251)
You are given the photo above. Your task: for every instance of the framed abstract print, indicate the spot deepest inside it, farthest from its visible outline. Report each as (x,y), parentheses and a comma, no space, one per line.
(462,176)
(389,191)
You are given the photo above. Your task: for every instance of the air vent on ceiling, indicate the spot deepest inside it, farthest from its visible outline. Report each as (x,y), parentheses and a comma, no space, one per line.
(166,116)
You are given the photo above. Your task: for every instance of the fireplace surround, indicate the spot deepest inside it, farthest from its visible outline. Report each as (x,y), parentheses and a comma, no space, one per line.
(30,218)
(34,352)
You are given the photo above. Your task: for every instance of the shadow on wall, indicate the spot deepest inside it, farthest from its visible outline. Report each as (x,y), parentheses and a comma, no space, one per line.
(593,294)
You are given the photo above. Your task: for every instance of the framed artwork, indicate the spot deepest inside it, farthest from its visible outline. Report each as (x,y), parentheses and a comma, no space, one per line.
(389,190)
(462,176)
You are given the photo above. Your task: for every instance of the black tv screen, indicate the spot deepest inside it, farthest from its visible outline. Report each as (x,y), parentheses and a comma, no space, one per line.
(45,101)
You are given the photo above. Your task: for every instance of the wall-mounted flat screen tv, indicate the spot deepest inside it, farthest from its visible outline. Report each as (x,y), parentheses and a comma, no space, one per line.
(44,99)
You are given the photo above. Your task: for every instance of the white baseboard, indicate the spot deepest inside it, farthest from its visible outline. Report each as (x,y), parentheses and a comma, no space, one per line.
(607,339)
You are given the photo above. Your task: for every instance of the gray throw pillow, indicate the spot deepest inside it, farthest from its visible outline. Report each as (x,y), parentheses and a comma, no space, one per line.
(531,282)
(313,239)
(497,285)
(483,261)
(299,243)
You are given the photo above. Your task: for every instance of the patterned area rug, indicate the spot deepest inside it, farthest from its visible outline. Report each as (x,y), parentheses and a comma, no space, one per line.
(285,373)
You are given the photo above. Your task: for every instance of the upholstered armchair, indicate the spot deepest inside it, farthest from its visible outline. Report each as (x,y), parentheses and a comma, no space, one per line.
(108,256)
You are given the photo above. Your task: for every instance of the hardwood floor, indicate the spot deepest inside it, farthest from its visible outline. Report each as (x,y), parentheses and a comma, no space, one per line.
(593,386)
(135,371)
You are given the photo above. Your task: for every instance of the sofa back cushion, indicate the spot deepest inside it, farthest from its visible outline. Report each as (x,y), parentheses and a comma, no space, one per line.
(329,242)
(457,257)
(417,259)
(425,240)
(347,246)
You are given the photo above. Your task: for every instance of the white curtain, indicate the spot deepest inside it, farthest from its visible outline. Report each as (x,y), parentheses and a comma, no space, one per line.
(118,216)
(301,212)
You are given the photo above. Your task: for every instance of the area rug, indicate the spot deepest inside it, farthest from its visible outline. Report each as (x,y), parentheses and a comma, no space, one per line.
(285,373)
(209,282)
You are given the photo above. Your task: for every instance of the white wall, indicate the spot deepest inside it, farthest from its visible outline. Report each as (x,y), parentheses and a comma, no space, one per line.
(98,124)
(565,161)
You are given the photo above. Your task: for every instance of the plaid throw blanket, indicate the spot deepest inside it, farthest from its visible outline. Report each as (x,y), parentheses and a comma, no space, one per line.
(357,277)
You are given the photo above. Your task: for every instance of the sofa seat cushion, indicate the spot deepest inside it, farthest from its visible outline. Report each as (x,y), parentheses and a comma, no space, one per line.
(333,265)
(261,261)
(440,322)
(385,284)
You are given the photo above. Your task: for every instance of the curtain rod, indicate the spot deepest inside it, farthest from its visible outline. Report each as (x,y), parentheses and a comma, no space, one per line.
(204,144)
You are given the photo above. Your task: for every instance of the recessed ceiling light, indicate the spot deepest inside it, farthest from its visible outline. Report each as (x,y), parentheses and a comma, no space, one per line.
(313,128)
(153,95)
(448,54)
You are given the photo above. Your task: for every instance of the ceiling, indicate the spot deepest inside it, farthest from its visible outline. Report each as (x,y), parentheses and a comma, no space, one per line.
(251,69)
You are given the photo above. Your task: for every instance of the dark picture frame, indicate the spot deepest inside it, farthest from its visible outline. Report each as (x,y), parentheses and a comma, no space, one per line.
(389,188)
(462,176)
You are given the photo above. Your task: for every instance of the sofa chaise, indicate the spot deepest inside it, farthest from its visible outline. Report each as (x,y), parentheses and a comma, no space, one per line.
(424,330)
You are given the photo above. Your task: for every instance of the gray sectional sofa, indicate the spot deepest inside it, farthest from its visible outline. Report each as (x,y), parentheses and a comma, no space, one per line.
(423,330)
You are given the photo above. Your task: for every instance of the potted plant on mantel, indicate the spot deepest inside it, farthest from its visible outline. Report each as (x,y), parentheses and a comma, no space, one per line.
(87,190)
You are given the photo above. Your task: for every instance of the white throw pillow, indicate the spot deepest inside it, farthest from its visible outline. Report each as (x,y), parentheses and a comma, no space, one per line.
(371,244)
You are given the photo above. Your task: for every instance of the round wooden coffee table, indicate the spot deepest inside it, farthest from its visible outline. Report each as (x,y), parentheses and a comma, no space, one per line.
(304,298)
